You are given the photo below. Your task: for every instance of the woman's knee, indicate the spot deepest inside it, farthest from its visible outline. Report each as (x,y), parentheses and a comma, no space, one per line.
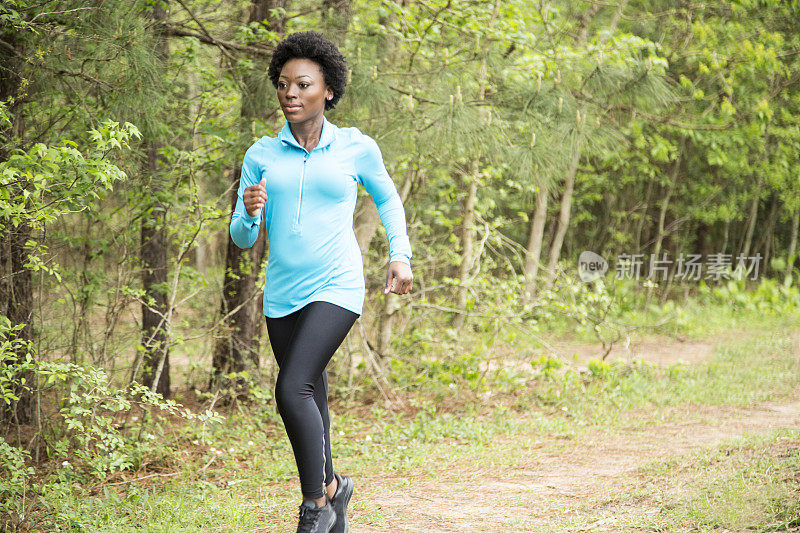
(289,391)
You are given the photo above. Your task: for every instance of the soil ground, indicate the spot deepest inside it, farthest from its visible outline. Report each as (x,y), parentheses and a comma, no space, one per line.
(526,482)
(581,477)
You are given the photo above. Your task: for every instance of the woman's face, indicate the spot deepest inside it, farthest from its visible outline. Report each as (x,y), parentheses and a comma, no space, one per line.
(302,90)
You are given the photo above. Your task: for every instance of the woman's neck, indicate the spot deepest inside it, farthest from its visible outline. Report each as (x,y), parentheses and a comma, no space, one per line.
(307,133)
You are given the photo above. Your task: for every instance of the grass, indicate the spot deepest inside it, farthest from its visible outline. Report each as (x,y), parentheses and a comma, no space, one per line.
(234,476)
(745,484)
(751,485)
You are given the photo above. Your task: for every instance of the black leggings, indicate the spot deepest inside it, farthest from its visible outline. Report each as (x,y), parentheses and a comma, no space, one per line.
(303,342)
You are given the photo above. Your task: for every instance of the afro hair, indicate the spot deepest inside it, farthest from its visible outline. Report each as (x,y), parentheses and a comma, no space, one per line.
(314,46)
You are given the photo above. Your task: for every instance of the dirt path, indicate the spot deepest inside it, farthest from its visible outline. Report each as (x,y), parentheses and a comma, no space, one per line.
(543,480)
(658,350)
(526,482)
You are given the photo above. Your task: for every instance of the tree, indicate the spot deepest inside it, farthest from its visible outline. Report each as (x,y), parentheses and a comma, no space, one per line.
(16,292)
(154,242)
(237,350)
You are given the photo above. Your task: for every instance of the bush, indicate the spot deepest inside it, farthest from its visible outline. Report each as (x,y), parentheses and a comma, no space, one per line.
(86,439)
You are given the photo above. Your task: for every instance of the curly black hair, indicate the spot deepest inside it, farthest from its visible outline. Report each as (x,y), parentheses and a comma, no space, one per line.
(314,46)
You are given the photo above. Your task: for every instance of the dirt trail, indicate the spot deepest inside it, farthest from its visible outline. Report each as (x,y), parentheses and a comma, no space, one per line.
(539,477)
(537,481)
(658,350)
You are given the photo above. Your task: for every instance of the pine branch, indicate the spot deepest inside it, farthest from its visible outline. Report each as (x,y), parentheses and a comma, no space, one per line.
(86,77)
(177,31)
(205,31)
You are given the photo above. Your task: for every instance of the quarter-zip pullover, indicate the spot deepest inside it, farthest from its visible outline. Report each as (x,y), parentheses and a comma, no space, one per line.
(311,198)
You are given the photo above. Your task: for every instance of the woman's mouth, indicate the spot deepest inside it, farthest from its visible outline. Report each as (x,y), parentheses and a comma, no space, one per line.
(291,108)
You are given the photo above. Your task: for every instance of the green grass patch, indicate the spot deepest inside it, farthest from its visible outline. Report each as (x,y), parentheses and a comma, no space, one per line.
(232,476)
(746,484)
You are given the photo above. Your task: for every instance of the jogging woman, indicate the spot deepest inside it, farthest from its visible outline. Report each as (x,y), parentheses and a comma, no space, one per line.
(304,184)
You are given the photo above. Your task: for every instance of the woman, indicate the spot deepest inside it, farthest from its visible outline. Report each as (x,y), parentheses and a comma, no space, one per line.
(304,183)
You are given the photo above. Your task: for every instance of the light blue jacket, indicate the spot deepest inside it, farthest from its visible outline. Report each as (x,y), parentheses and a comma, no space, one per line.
(311,197)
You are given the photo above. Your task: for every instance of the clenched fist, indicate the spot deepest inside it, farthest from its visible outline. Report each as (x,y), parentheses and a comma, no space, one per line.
(398,278)
(254,197)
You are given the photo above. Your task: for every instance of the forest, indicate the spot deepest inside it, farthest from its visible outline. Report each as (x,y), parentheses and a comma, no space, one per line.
(592,172)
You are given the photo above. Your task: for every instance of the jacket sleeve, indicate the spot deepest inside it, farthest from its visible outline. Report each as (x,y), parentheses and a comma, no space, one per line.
(244,228)
(373,176)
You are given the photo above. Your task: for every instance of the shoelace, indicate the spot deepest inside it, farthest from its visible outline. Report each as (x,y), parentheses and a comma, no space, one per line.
(308,518)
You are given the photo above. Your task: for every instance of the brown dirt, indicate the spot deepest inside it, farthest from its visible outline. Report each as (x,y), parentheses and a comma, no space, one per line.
(526,482)
(545,480)
(655,349)
(540,475)
(661,351)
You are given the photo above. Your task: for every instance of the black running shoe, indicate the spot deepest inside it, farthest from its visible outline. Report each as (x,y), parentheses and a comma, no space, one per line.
(315,519)
(344,490)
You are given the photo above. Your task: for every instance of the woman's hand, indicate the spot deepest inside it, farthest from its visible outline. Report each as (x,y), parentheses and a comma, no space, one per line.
(400,274)
(254,197)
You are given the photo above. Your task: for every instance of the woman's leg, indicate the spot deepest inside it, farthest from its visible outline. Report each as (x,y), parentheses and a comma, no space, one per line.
(319,329)
(321,399)
(280,332)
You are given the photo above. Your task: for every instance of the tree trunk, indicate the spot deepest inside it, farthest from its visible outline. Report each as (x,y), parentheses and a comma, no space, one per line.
(662,212)
(765,242)
(336,15)
(751,225)
(725,236)
(16,303)
(84,297)
(367,220)
(367,217)
(702,243)
(643,217)
(792,245)
(202,249)
(604,223)
(468,218)
(566,200)
(563,216)
(16,281)
(587,13)
(237,348)
(154,248)
(670,278)
(534,248)
(662,215)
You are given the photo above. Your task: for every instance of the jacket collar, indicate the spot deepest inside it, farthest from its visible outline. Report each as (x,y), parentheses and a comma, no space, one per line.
(327,137)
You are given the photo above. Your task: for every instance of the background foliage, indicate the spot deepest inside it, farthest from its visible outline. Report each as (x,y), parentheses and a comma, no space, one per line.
(519,134)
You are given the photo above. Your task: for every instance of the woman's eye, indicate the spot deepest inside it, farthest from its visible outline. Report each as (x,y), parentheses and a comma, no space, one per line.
(303,85)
